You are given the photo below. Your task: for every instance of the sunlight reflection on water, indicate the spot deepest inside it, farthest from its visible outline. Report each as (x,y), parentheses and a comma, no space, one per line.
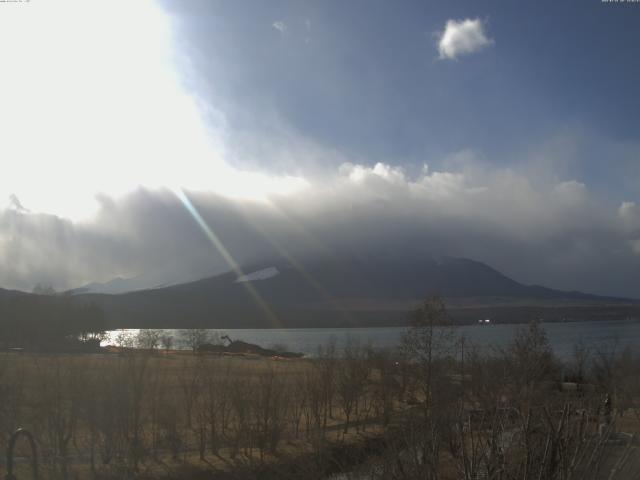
(563,336)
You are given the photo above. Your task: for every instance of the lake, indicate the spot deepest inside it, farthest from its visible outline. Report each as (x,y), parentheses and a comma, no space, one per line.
(562,336)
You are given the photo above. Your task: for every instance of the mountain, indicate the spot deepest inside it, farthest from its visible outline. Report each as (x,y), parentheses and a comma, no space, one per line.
(149,280)
(348,291)
(4,294)
(115,286)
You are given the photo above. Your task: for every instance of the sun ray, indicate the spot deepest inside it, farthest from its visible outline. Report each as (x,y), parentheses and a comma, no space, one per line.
(295,263)
(228,258)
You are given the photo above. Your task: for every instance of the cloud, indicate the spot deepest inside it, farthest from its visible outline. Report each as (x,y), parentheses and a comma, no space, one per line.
(280,26)
(629,213)
(553,233)
(462,37)
(540,226)
(16,204)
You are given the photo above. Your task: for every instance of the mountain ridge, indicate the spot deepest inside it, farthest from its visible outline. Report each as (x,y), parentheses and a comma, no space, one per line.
(345,291)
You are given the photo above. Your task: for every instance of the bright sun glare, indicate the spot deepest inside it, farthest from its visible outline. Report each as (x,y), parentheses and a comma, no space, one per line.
(91,103)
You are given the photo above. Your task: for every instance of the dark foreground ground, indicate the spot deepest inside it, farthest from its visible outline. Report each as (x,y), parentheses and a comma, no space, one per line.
(517,413)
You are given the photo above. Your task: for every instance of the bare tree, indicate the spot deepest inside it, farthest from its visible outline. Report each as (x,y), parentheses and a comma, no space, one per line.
(386,388)
(125,339)
(352,378)
(149,338)
(430,339)
(530,360)
(217,404)
(578,365)
(167,341)
(12,395)
(59,404)
(326,364)
(298,402)
(194,337)
(190,382)
(269,410)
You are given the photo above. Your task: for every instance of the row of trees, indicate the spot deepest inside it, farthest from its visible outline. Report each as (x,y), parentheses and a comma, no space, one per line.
(49,321)
(506,413)
(153,339)
(126,415)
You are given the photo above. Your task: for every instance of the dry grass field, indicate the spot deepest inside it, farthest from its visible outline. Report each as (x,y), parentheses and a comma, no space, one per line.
(146,413)
(417,412)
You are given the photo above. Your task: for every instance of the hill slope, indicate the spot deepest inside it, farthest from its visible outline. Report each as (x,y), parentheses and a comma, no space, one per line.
(343,292)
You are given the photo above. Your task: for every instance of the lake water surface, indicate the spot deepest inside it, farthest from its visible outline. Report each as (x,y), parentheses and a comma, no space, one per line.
(562,336)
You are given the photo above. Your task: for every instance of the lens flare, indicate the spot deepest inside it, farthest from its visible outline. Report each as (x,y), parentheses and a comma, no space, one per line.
(222,250)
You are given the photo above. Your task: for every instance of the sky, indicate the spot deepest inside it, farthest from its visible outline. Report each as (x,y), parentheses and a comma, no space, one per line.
(178,139)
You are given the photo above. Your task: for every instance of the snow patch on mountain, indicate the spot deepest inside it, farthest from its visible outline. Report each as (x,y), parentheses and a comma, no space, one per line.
(259,275)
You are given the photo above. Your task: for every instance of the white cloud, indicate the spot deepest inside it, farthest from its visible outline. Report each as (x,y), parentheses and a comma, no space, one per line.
(280,26)
(462,37)
(629,214)
(540,232)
